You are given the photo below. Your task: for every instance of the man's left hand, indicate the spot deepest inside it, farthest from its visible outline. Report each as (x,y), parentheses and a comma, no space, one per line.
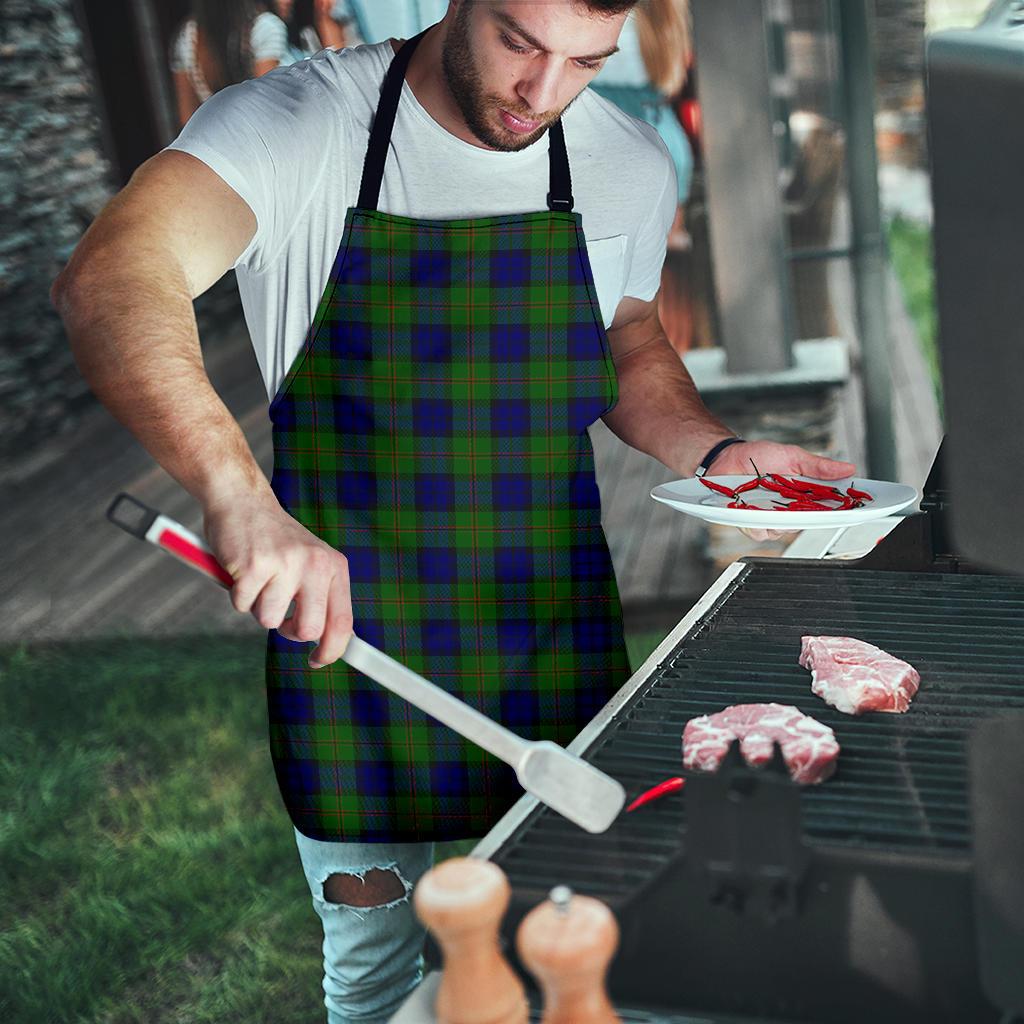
(771,457)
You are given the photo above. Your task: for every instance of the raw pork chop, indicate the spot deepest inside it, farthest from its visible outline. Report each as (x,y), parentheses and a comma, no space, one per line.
(808,747)
(855,677)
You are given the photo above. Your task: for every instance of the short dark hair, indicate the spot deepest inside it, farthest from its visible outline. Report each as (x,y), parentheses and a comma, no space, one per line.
(605,8)
(608,7)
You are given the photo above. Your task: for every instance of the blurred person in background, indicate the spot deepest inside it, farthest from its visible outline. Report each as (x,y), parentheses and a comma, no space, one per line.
(223,42)
(375,20)
(313,25)
(645,79)
(648,73)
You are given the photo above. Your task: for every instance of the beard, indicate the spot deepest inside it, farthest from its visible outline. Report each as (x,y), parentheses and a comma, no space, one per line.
(479,108)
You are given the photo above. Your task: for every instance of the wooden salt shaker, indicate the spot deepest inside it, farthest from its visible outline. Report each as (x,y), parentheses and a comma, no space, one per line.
(567,943)
(462,902)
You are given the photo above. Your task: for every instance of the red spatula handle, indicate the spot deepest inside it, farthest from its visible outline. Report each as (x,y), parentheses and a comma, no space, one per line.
(147,524)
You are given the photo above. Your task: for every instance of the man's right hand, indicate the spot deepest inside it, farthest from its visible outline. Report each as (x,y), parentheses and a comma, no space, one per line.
(274,560)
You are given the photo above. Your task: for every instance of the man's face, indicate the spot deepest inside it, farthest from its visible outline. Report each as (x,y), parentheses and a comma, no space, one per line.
(513,66)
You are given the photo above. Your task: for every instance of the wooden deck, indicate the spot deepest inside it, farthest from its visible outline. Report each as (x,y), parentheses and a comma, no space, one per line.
(69,573)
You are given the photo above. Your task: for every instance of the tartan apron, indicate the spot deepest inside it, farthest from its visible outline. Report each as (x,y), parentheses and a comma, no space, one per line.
(434,430)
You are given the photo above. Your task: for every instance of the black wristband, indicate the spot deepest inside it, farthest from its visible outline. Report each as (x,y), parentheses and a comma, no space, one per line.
(705,463)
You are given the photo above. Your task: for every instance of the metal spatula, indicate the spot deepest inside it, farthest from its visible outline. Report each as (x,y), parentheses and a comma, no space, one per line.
(564,782)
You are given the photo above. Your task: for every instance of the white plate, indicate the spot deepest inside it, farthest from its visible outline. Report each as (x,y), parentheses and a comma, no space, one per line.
(693,498)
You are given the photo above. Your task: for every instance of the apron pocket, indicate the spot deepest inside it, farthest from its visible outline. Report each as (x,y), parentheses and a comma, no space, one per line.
(608,263)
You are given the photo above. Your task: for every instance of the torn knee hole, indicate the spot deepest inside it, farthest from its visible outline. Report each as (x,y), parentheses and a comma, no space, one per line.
(373,889)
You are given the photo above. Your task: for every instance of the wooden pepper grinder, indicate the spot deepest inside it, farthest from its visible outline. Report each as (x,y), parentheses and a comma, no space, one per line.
(462,902)
(567,943)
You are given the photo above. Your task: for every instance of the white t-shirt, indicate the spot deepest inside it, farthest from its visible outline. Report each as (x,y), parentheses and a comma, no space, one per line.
(292,143)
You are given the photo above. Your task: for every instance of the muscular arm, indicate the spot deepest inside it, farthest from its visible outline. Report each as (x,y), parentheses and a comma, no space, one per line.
(659,410)
(126,301)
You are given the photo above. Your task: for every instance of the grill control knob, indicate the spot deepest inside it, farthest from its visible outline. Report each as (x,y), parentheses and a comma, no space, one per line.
(462,901)
(567,943)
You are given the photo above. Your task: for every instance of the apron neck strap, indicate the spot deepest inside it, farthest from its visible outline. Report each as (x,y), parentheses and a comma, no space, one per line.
(383,122)
(560,185)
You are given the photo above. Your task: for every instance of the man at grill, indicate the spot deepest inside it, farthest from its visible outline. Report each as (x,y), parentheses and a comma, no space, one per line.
(440,307)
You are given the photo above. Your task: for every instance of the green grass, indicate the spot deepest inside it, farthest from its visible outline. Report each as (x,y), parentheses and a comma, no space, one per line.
(149,872)
(910,248)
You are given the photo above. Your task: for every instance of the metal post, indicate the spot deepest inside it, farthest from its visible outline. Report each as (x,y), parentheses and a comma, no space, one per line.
(868,241)
(742,174)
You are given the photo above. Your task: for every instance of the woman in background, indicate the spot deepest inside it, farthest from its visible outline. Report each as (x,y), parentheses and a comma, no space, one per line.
(313,25)
(648,73)
(644,78)
(221,43)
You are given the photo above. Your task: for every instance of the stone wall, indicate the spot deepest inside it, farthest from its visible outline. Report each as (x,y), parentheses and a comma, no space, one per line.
(53,180)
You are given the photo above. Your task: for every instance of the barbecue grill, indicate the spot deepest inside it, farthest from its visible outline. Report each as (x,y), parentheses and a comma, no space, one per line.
(746,896)
(895,890)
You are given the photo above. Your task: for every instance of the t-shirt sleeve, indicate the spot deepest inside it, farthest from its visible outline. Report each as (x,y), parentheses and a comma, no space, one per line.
(269,139)
(269,37)
(652,238)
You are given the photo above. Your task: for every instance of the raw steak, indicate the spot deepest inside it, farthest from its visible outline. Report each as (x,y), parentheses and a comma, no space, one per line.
(808,747)
(855,677)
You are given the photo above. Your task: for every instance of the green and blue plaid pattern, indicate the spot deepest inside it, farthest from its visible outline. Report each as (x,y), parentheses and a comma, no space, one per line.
(434,430)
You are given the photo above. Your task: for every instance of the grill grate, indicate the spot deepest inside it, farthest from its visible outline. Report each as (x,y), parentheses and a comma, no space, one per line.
(901,784)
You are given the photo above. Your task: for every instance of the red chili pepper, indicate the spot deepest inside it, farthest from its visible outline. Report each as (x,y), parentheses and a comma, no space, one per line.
(750,485)
(809,487)
(717,487)
(668,786)
(787,492)
(807,506)
(862,495)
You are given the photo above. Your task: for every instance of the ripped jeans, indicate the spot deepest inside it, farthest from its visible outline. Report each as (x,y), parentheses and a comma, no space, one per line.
(373,955)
